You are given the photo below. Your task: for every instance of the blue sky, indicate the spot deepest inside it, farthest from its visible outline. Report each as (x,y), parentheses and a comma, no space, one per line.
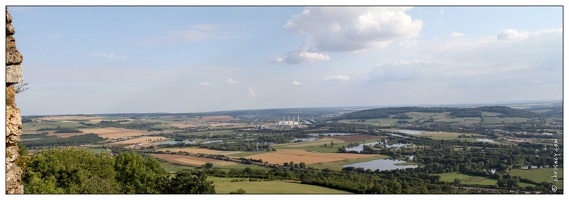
(88,60)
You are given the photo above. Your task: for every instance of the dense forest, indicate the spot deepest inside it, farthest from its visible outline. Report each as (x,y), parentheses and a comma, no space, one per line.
(54,141)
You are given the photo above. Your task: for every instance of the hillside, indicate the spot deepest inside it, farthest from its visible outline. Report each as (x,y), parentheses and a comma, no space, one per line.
(399,112)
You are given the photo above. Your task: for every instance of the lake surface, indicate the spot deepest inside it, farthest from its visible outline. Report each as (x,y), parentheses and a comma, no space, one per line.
(330,134)
(397,135)
(412,132)
(486,140)
(381,164)
(303,139)
(361,146)
(212,141)
(177,142)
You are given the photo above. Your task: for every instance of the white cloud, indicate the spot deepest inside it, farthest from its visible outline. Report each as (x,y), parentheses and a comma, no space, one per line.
(252,93)
(303,56)
(511,34)
(354,28)
(408,43)
(108,55)
(204,83)
(231,81)
(277,59)
(337,78)
(456,34)
(296,83)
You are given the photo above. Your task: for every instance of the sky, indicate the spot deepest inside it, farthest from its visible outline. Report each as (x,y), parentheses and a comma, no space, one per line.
(93,60)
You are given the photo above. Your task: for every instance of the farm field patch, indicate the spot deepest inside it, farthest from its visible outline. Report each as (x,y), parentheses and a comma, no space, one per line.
(192,160)
(297,156)
(339,165)
(540,175)
(113,133)
(225,186)
(200,150)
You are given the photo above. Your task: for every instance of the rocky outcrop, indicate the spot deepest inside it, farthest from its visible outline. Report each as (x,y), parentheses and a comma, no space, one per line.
(14,75)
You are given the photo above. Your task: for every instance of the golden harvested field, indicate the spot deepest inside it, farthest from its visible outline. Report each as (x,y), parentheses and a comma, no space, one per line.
(143,140)
(355,138)
(198,150)
(192,160)
(297,156)
(113,133)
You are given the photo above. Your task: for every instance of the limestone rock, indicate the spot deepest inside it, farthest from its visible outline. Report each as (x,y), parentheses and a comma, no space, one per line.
(14,75)
(10,29)
(13,56)
(8,16)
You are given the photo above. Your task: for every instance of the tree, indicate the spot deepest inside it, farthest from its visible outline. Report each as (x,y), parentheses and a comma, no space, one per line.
(302,165)
(208,165)
(239,191)
(69,171)
(456,182)
(138,174)
(186,182)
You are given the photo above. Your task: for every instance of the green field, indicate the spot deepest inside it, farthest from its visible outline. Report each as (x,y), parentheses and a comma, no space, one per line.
(339,165)
(466,179)
(170,167)
(469,179)
(225,186)
(540,175)
(497,120)
(240,167)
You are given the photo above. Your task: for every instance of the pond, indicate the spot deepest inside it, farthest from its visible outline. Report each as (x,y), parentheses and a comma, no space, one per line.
(303,139)
(330,134)
(361,147)
(412,132)
(212,141)
(486,140)
(397,135)
(398,145)
(177,142)
(382,164)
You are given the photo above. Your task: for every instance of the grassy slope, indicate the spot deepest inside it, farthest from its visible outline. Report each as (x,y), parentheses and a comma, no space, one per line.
(225,186)
(540,175)
(469,179)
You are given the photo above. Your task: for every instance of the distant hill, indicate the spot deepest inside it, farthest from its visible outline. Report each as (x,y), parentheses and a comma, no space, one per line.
(399,112)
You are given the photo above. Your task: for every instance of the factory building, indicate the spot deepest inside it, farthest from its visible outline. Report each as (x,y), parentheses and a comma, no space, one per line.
(289,122)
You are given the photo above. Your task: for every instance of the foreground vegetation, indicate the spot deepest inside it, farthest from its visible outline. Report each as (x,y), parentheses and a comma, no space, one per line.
(228,185)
